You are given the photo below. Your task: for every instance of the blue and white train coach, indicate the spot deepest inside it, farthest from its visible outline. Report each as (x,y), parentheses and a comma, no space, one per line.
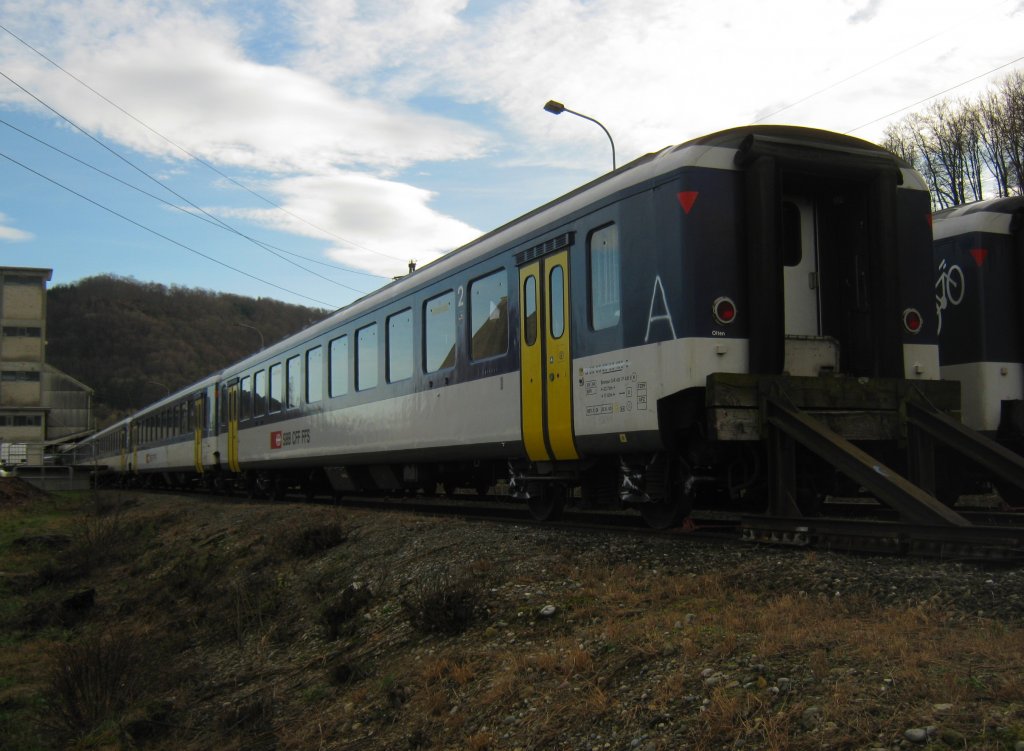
(582,353)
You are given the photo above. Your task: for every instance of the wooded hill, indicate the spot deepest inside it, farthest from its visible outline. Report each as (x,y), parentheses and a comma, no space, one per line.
(134,342)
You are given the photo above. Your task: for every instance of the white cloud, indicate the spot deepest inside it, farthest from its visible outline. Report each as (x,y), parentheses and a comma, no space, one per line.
(12,234)
(375,224)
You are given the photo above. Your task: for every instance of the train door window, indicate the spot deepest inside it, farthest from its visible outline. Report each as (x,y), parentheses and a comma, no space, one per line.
(292,379)
(276,388)
(488,314)
(245,398)
(366,358)
(530,310)
(259,393)
(222,405)
(439,332)
(338,365)
(556,300)
(400,357)
(605,285)
(314,375)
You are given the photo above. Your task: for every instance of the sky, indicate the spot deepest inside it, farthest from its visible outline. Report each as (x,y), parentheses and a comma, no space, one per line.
(307,150)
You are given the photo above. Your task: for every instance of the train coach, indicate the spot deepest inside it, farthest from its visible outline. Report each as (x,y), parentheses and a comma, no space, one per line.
(979,272)
(655,339)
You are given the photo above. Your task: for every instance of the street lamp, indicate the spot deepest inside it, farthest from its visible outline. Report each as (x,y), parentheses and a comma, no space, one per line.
(248,326)
(557,108)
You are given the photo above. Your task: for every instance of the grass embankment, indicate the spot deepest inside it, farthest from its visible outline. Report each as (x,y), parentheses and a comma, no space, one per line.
(132,621)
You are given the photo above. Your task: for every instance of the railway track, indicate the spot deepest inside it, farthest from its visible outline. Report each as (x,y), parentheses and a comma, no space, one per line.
(994,535)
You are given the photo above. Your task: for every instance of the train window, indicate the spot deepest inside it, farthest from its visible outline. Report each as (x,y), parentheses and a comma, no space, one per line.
(556,299)
(605,287)
(530,310)
(366,357)
(314,375)
(400,357)
(292,379)
(259,393)
(488,315)
(792,245)
(276,388)
(439,332)
(245,398)
(339,366)
(222,406)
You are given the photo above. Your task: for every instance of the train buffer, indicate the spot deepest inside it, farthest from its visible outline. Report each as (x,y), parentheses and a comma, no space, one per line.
(809,423)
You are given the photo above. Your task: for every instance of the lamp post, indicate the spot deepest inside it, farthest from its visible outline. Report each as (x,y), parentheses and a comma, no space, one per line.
(557,108)
(248,326)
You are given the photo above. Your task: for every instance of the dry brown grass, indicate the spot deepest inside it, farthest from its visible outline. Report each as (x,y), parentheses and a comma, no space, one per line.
(701,660)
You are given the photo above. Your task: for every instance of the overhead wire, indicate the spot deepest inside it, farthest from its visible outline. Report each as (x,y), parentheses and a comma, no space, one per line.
(199,216)
(158,234)
(191,155)
(170,190)
(933,96)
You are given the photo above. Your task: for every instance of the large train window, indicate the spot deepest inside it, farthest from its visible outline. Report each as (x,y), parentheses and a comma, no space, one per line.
(439,332)
(400,357)
(338,365)
(276,388)
(314,375)
(530,310)
(488,315)
(366,358)
(259,393)
(245,398)
(292,379)
(605,287)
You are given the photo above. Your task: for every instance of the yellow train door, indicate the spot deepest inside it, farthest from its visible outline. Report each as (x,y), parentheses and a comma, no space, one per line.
(546,358)
(198,415)
(232,408)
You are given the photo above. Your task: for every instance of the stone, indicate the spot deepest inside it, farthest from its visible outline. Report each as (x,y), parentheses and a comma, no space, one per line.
(547,611)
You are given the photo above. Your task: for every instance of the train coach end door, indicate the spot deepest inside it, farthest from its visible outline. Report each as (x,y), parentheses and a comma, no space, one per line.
(546,364)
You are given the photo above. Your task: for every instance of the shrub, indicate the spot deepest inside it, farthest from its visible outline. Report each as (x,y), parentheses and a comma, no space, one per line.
(315,539)
(339,612)
(441,603)
(93,680)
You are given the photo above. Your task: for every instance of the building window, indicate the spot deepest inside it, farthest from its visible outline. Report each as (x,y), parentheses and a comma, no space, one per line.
(400,357)
(605,288)
(366,357)
(20,375)
(488,312)
(314,375)
(339,367)
(439,332)
(292,378)
(29,331)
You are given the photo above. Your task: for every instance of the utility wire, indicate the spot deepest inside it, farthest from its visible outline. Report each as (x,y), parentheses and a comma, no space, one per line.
(861,72)
(200,216)
(170,190)
(194,156)
(933,96)
(159,234)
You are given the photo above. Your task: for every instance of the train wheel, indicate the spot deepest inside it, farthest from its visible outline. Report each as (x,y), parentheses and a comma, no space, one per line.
(670,503)
(547,501)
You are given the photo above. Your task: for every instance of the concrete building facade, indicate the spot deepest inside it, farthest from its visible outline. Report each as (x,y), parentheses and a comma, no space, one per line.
(39,405)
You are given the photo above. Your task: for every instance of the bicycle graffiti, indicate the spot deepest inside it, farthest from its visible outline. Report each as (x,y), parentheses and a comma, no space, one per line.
(949,289)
